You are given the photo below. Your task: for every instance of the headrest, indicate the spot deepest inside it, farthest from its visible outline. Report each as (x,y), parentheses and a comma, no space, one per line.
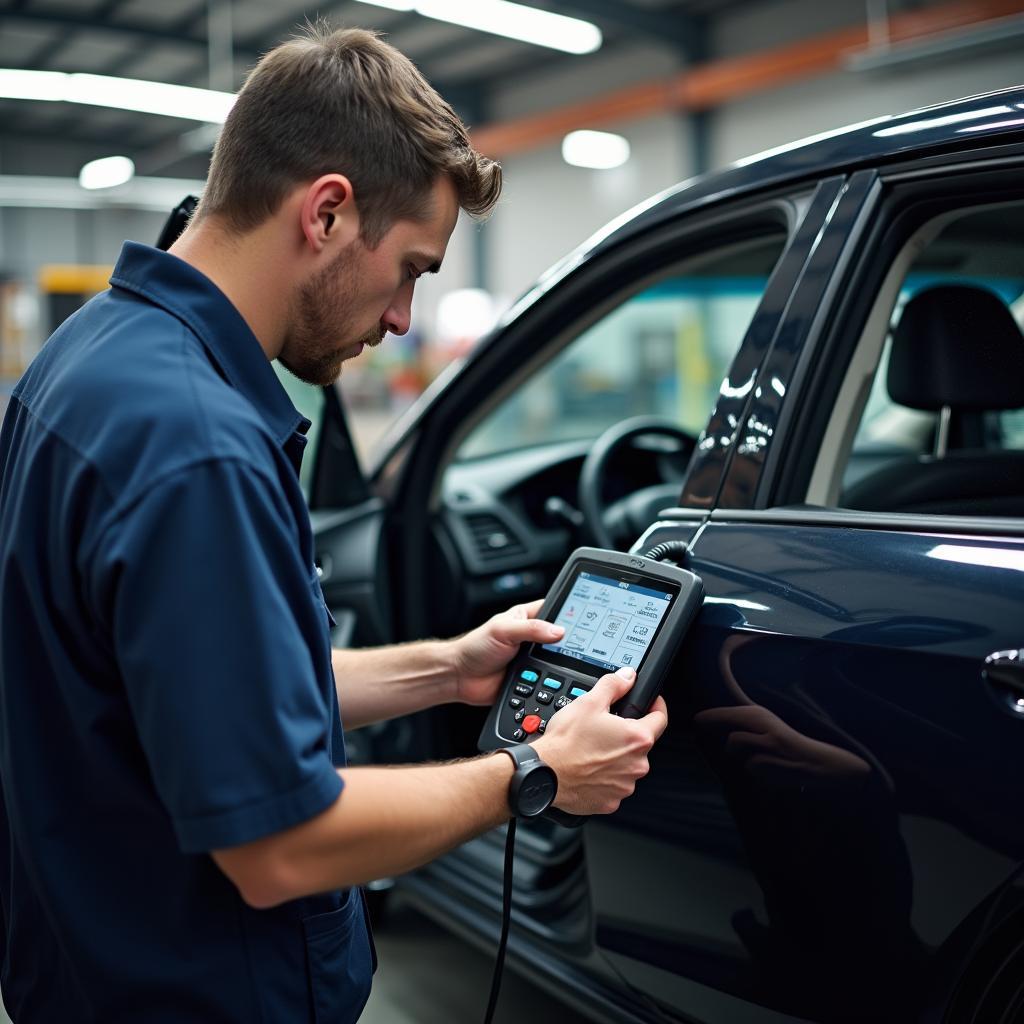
(957,345)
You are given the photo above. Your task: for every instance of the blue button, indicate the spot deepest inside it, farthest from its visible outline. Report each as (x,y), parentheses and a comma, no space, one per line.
(577,691)
(553,684)
(529,675)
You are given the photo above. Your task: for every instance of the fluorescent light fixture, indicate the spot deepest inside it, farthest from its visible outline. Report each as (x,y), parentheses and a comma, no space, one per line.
(32,85)
(120,93)
(600,150)
(151,97)
(106,172)
(502,18)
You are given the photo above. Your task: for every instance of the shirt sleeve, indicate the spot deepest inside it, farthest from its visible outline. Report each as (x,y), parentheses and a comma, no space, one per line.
(218,637)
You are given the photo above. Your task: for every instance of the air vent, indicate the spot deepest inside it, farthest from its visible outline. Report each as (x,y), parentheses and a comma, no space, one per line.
(492,539)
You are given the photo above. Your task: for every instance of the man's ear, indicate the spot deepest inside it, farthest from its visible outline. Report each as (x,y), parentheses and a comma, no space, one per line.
(328,213)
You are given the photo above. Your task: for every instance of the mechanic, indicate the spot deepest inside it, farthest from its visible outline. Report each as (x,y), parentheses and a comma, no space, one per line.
(181,837)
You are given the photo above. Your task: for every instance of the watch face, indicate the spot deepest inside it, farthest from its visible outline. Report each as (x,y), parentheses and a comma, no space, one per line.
(536,792)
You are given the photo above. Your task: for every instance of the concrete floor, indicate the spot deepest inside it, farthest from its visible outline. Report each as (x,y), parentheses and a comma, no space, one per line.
(427,976)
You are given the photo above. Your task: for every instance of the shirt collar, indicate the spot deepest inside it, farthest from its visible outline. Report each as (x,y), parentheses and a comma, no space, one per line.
(176,286)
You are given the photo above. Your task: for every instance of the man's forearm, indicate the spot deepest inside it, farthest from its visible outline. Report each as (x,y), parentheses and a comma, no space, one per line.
(385,682)
(385,822)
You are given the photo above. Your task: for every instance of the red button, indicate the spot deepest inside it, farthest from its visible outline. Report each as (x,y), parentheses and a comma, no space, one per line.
(531,723)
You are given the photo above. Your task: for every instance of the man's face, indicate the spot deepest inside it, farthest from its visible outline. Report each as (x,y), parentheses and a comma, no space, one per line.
(365,293)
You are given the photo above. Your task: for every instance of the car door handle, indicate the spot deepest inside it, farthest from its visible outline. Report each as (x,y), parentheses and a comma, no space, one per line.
(1004,672)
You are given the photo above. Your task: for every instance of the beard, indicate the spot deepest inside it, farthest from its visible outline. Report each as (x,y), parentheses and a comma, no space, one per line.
(322,314)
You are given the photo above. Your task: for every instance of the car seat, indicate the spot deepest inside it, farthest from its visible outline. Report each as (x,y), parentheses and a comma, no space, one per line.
(956,351)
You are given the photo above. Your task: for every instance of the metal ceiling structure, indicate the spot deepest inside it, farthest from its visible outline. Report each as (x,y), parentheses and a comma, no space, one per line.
(170,41)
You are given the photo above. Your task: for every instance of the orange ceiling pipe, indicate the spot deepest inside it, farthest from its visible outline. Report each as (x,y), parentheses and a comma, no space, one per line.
(708,85)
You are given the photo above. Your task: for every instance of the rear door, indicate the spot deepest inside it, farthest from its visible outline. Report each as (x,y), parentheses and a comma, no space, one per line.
(856,692)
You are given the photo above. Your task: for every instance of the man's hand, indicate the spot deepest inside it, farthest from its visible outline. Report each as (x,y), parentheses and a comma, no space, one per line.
(597,756)
(481,655)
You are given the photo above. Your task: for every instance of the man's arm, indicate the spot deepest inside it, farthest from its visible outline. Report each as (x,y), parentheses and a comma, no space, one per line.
(385,682)
(390,820)
(385,822)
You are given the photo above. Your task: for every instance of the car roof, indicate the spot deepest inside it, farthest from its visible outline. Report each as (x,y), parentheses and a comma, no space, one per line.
(995,116)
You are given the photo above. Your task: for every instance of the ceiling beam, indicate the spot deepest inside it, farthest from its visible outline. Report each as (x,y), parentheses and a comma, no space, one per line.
(675,28)
(71,21)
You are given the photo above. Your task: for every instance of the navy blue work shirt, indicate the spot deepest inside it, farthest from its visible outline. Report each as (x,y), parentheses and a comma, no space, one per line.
(165,672)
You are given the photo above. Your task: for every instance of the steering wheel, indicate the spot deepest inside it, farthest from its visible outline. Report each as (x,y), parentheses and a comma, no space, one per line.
(633,514)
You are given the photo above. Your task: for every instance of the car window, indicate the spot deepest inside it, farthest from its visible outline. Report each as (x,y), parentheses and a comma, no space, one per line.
(662,352)
(309,401)
(959,310)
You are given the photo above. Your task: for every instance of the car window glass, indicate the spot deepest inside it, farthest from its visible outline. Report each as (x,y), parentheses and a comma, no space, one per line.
(309,401)
(662,352)
(952,459)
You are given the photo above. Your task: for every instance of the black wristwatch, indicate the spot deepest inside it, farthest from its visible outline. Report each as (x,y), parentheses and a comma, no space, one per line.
(534,784)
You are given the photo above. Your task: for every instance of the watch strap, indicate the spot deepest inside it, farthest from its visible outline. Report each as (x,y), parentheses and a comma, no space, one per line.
(521,754)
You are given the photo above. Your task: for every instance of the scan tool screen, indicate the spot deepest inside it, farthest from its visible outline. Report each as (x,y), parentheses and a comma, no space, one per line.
(609,621)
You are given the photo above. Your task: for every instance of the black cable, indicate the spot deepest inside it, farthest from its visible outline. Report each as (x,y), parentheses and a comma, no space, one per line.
(668,547)
(506,920)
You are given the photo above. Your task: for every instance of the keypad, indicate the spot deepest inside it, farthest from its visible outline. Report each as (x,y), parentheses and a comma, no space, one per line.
(533,698)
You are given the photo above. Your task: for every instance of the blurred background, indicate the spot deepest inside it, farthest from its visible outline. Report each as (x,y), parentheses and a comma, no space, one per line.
(592,106)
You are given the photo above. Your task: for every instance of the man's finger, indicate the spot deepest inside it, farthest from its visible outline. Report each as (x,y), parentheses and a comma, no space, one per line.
(608,689)
(656,720)
(533,608)
(519,631)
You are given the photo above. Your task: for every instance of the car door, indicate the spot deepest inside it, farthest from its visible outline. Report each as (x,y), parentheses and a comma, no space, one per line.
(855,724)
(457,465)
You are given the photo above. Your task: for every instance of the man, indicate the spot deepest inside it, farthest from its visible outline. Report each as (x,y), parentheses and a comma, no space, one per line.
(181,834)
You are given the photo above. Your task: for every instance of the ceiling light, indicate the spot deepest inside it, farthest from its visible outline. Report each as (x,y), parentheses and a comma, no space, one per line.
(600,150)
(502,18)
(151,97)
(32,85)
(120,93)
(106,172)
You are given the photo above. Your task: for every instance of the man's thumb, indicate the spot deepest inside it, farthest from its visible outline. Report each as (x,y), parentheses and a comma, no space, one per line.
(608,689)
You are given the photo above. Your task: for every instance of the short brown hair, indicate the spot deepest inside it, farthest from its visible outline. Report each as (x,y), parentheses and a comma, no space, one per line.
(343,102)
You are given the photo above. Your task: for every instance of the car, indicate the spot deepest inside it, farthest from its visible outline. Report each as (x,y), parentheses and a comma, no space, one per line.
(807,371)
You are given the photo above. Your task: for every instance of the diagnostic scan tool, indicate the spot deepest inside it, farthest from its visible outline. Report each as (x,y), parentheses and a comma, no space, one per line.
(617,610)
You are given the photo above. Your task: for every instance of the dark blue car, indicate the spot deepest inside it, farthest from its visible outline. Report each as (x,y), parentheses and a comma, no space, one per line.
(809,368)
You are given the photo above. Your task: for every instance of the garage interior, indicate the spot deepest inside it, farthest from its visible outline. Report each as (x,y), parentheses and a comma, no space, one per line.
(676,88)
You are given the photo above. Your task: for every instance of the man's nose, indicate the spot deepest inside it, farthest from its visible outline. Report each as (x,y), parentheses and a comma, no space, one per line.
(398,316)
